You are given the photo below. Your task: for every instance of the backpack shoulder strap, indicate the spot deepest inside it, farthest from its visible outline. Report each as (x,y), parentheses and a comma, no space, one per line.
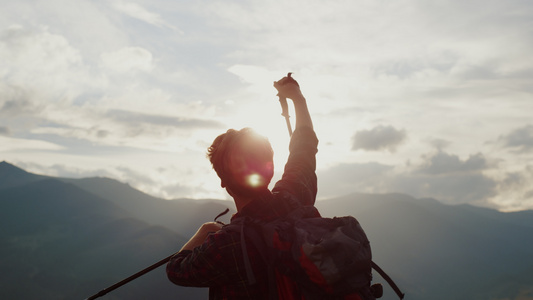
(247,264)
(388,279)
(251,233)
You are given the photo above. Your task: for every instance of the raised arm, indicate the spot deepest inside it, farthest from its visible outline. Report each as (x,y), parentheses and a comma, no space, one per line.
(299,178)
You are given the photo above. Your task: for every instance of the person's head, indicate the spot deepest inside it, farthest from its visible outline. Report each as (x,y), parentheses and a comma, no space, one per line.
(243,160)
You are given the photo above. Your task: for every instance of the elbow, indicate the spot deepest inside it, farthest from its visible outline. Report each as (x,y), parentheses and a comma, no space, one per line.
(174,272)
(182,276)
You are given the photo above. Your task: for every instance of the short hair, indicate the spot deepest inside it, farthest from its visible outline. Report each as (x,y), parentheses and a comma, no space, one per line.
(255,160)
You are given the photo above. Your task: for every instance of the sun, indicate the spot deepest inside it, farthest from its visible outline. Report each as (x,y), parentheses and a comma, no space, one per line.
(264,117)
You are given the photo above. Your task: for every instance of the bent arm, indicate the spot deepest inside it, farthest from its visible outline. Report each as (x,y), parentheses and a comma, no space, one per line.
(216,262)
(199,237)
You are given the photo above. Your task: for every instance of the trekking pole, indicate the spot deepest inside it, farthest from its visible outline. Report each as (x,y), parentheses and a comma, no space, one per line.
(132,277)
(285,106)
(285,112)
(141,273)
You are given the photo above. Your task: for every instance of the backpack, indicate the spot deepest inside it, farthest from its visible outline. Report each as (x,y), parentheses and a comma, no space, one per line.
(319,258)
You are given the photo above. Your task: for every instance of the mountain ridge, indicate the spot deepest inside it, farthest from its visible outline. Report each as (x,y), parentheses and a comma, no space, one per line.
(432,250)
(11,175)
(139,204)
(58,241)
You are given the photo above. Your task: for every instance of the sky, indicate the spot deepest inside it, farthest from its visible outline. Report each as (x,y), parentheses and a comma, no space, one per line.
(427,98)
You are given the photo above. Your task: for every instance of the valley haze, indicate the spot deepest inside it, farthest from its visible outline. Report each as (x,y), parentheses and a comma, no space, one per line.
(68,238)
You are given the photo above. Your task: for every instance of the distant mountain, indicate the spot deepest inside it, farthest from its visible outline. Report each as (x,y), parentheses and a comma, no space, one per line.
(439,251)
(63,238)
(183,216)
(58,241)
(11,176)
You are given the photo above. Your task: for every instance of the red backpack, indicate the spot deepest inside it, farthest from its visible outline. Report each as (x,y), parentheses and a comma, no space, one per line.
(313,258)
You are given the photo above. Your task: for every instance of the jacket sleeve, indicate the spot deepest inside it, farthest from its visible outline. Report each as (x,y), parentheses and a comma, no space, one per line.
(299,179)
(216,262)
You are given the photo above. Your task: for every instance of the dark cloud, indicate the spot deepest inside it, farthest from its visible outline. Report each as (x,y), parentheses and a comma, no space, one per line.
(15,101)
(517,184)
(378,138)
(441,176)
(448,178)
(439,144)
(100,133)
(136,118)
(444,163)
(520,139)
(512,180)
(4,130)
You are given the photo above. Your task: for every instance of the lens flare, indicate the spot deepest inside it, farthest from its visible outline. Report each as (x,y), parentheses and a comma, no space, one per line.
(254,180)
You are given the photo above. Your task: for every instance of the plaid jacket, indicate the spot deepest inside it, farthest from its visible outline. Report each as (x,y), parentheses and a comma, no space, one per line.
(218,263)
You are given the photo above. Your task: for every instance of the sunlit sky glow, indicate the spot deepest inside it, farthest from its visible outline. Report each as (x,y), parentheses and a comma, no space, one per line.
(427,98)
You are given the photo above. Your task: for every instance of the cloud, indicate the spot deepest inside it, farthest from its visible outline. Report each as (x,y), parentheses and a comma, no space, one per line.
(514,190)
(444,163)
(39,69)
(121,128)
(378,138)
(37,53)
(439,144)
(62,170)
(128,59)
(442,176)
(138,12)
(49,91)
(474,188)
(129,117)
(517,181)
(10,144)
(448,178)
(110,75)
(348,178)
(4,130)
(520,139)
(177,190)
(135,177)
(406,67)
(15,101)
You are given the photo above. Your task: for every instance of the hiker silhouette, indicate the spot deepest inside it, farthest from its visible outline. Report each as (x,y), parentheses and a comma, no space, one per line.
(259,254)
(277,246)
